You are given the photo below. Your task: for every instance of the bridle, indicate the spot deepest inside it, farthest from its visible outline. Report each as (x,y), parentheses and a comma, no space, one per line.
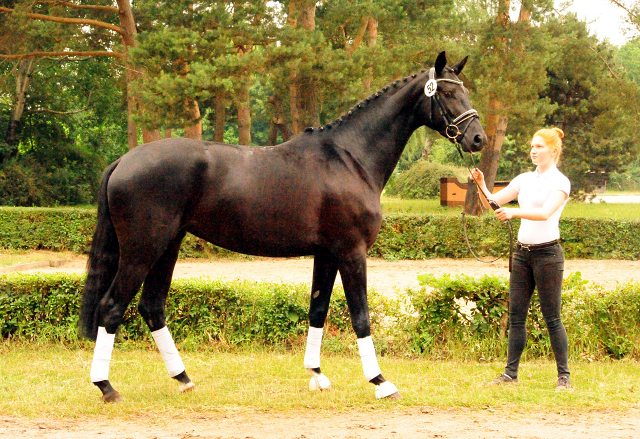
(452,131)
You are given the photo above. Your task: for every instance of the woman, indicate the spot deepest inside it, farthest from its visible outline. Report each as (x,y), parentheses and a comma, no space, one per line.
(538,260)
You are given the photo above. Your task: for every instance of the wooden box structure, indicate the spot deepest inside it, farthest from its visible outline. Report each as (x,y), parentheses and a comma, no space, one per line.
(452,192)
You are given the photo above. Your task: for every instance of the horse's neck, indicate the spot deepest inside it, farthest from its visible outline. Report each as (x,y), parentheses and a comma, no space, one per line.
(389,125)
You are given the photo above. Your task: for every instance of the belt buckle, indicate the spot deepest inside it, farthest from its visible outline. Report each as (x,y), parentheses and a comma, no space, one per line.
(526,247)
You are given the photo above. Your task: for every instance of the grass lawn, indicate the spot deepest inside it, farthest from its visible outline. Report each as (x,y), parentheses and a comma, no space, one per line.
(54,381)
(572,209)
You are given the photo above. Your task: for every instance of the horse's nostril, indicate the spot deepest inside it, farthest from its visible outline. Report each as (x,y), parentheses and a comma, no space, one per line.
(477,140)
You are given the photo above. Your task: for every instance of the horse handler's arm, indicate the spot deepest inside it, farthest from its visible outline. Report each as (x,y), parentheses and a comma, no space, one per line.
(503,196)
(555,200)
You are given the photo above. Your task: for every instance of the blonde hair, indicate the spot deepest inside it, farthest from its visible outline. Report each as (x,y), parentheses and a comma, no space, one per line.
(553,139)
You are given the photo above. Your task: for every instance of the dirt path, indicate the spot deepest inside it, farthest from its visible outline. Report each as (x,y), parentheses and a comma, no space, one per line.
(414,423)
(387,277)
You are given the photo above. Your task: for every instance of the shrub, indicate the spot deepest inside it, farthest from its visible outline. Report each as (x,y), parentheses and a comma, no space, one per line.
(450,316)
(402,236)
(599,323)
(422,180)
(200,311)
(27,182)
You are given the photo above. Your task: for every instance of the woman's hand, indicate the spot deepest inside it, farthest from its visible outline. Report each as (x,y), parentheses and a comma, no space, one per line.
(478,176)
(504,213)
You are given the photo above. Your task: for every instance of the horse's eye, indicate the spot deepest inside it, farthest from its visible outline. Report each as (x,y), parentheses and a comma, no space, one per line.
(447,94)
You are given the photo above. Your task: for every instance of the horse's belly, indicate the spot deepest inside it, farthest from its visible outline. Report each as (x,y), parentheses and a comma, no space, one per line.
(265,241)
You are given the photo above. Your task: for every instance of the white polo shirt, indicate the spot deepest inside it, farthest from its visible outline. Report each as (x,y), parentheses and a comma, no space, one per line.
(533,190)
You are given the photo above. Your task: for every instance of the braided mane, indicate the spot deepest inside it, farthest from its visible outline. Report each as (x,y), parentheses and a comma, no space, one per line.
(385,91)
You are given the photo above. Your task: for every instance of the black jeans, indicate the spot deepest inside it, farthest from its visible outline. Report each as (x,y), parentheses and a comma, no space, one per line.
(543,269)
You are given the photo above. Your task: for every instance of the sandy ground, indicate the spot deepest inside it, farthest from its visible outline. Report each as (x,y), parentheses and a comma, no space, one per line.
(388,278)
(413,423)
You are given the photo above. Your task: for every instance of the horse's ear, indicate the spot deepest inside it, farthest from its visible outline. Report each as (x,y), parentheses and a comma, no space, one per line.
(457,69)
(441,62)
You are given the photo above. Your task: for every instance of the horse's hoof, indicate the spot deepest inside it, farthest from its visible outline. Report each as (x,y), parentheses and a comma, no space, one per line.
(112,397)
(319,382)
(189,387)
(387,390)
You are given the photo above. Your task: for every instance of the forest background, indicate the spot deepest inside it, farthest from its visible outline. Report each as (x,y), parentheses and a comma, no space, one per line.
(82,82)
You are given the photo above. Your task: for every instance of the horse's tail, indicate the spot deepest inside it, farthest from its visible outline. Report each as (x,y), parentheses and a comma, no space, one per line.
(102,264)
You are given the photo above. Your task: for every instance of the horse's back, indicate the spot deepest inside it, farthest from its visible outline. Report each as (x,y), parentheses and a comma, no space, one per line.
(273,201)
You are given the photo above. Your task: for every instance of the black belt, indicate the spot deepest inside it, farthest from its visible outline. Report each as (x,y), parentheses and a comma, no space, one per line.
(534,247)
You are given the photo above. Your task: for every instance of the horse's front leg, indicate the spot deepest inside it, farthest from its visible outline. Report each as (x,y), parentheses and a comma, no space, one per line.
(325,270)
(353,272)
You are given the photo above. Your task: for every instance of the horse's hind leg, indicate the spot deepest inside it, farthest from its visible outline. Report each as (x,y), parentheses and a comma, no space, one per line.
(353,271)
(112,308)
(152,308)
(324,276)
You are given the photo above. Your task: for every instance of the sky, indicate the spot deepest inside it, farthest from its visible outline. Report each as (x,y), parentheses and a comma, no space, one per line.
(604,19)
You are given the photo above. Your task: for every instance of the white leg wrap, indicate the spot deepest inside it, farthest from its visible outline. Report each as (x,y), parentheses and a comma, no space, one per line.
(368,356)
(169,352)
(385,389)
(312,354)
(318,381)
(102,356)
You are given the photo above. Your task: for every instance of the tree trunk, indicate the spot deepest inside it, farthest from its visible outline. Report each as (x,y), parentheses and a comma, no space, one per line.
(221,118)
(496,125)
(194,131)
(278,122)
(495,129)
(426,152)
(151,135)
(127,22)
(372,27)
(302,89)
(243,103)
(23,77)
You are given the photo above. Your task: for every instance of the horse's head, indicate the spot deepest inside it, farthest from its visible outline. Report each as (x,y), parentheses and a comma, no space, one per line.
(447,106)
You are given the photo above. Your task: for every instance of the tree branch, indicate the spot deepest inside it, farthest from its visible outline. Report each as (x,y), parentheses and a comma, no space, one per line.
(75,6)
(46,110)
(359,36)
(89,53)
(604,61)
(632,15)
(85,21)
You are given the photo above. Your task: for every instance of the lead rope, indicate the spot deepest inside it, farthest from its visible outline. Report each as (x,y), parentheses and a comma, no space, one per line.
(495,206)
(430,89)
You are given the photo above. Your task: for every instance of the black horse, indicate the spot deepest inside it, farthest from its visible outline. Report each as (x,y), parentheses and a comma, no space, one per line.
(316,194)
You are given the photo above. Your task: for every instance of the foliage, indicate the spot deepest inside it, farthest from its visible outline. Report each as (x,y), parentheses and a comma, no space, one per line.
(72,127)
(628,60)
(402,236)
(600,323)
(422,180)
(199,311)
(626,181)
(461,311)
(589,106)
(75,120)
(47,228)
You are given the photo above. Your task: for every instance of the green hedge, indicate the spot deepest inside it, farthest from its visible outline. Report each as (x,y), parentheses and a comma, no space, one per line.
(422,180)
(200,310)
(402,236)
(429,321)
(599,323)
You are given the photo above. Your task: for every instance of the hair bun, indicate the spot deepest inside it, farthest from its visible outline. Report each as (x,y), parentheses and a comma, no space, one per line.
(559,131)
